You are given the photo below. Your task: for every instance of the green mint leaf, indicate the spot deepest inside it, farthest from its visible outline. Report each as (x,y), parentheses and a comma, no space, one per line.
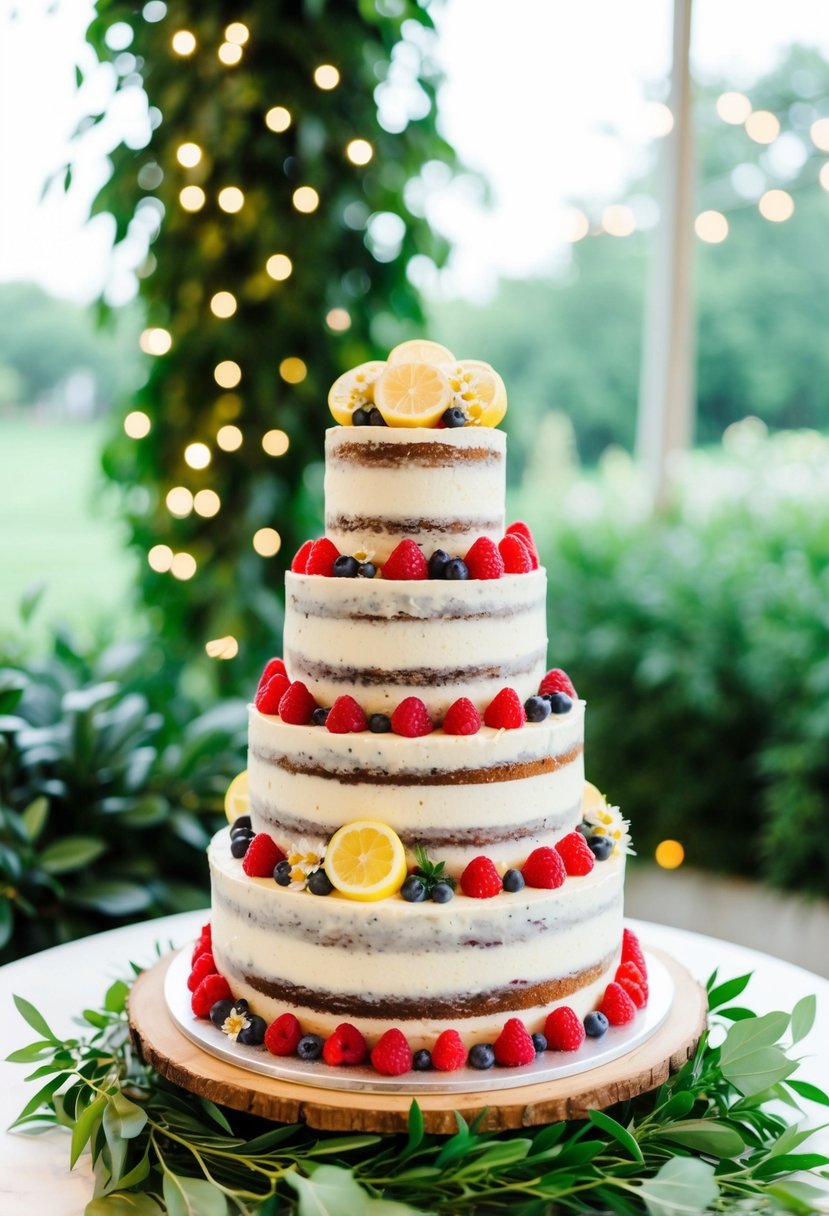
(683,1186)
(619,1133)
(803,1017)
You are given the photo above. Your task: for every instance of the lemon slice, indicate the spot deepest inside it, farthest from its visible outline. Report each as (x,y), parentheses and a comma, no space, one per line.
(478,390)
(419,350)
(412,394)
(354,390)
(592,798)
(366,860)
(237,798)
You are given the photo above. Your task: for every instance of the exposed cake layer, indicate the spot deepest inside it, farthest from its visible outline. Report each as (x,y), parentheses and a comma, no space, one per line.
(383,640)
(470,964)
(441,488)
(501,793)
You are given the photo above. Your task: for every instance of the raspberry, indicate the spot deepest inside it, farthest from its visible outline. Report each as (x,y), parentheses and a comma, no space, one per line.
(405,562)
(448,1052)
(204,943)
(632,952)
(345,1046)
(557,681)
(617,1006)
(202,967)
(346,716)
(522,531)
(301,556)
(411,719)
(321,557)
(629,977)
(273,667)
(483,560)
(391,1054)
(564,1029)
(262,855)
(462,718)
(270,694)
(544,868)
(282,1036)
(576,854)
(514,1046)
(515,555)
(297,704)
(213,988)
(480,879)
(505,711)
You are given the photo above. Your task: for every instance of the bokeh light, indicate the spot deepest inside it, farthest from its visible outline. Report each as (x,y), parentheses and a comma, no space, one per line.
(137,424)
(222,648)
(618,220)
(763,127)
(733,108)
(338,320)
(237,32)
(160,558)
(279,266)
(230,53)
(227,374)
(183,42)
(326,77)
(267,542)
(306,199)
(776,205)
(207,503)
(293,370)
(275,443)
(192,198)
(197,455)
(229,438)
(179,501)
(669,854)
(231,199)
(711,226)
(359,151)
(659,119)
(278,119)
(823,176)
(188,155)
(819,132)
(575,224)
(223,304)
(183,566)
(155,341)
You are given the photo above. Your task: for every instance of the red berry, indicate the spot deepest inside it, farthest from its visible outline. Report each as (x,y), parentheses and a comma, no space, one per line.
(270,694)
(617,1006)
(564,1029)
(575,852)
(297,705)
(462,718)
(273,667)
(213,988)
(345,1046)
(202,967)
(262,855)
(515,555)
(406,562)
(321,557)
(522,531)
(346,716)
(298,565)
(544,868)
(629,977)
(391,1054)
(448,1052)
(204,943)
(411,719)
(514,1047)
(480,879)
(483,560)
(505,711)
(557,681)
(282,1035)
(632,951)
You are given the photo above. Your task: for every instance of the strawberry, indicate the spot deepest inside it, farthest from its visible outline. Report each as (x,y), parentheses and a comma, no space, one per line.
(522,531)
(515,555)
(202,967)
(262,855)
(617,1006)
(629,977)
(345,1046)
(483,560)
(557,681)
(632,951)
(204,943)
(480,879)
(462,718)
(273,667)
(321,557)
(282,1035)
(564,1029)
(297,704)
(270,694)
(514,1047)
(411,719)
(505,711)
(448,1052)
(544,868)
(391,1054)
(574,851)
(405,562)
(213,988)
(301,556)
(346,716)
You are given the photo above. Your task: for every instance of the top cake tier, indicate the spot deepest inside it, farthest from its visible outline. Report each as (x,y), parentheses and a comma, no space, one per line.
(441,488)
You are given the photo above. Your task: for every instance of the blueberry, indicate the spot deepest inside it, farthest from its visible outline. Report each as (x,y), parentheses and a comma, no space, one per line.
(239,844)
(243,821)
(455,569)
(595,1024)
(379,724)
(219,1012)
(282,873)
(422,1060)
(319,883)
(600,846)
(413,889)
(309,1047)
(437,563)
(481,1056)
(346,567)
(537,709)
(442,892)
(375,418)
(453,417)
(513,880)
(560,703)
(585,830)
(254,1033)
(234,832)
(240,1006)
(367,570)
(361,417)
(539,1043)
(320,716)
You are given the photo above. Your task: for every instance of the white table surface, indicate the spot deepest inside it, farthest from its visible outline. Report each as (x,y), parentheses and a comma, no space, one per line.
(34,1170)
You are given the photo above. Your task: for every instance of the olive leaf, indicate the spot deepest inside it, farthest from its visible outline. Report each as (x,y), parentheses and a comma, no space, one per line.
(683,1186)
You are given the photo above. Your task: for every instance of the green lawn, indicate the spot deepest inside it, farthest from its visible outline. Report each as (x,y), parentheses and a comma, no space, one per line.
(58,525)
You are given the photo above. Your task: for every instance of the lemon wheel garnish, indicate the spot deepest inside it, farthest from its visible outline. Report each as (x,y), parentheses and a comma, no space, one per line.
(366,860)
(420,350)
(237,798)
(412,394)
(478,390)
(354,390)
(592,798)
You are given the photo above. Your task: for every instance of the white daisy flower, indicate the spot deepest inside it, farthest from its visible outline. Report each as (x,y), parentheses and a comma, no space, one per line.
(304,856)
(234,1022)
(606,820)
